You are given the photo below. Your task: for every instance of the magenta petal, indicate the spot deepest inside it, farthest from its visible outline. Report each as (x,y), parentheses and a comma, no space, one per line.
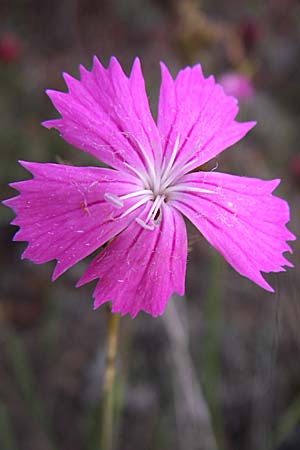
(150,267)
(107,115)
(62,213)
(241,219)
(198,111)
(141,106)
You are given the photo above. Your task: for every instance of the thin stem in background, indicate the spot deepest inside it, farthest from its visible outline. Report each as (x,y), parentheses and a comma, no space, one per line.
(21,365)
(7,435)
(109,382)
(211,347)
(193,416)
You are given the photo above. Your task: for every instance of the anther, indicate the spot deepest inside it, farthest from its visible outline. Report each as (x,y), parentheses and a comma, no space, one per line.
(144,224)
(113,200)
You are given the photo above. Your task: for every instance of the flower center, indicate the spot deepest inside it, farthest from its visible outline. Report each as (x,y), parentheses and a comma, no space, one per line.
(160,181)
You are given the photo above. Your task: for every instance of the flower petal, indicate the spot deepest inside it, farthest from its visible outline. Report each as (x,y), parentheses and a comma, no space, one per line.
(240,218)
(62,213)
(150,267)
(198,111)
(107,115)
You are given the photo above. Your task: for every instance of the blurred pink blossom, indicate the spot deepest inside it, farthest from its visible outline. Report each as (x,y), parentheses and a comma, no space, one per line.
(237,85)
(10,47)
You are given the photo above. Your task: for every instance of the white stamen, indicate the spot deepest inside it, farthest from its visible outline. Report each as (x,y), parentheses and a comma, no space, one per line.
(172,159)
(152,213)
(143,177)
(144,225)
(193,149)
(177,172)
(113,200)
(157,207)
(146,156)
(136,194)
(182,167)
(153,207)
(158,156)
(185,188)
(134,207)
(160,180)
(156,183)
(154,175)
(158,219)
(147,159)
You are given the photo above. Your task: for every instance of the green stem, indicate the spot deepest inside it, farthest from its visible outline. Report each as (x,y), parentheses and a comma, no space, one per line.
(211,347)
(109,381)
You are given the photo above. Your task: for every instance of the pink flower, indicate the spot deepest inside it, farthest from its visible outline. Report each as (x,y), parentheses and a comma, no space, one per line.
(137,205)
(10,47)
(237,85)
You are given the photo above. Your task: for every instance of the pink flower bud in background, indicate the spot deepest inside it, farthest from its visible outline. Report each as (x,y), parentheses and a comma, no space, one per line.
(10,47)
(237,85)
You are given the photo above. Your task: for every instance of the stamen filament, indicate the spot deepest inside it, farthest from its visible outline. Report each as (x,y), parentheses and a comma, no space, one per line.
(147,159)
(152,213)
(185,188)
(158,157)
(184,165)
(159,181)
(113,200)
(177,172)
(187,155)
(143,177)
(157,208)
(136,194)
(134,207)
(153,208)
(172,159)
(143,224)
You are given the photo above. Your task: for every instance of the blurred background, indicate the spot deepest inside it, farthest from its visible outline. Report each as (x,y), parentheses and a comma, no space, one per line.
(221,369)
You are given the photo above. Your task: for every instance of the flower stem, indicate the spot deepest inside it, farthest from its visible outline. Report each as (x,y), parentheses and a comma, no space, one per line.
(109,381)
